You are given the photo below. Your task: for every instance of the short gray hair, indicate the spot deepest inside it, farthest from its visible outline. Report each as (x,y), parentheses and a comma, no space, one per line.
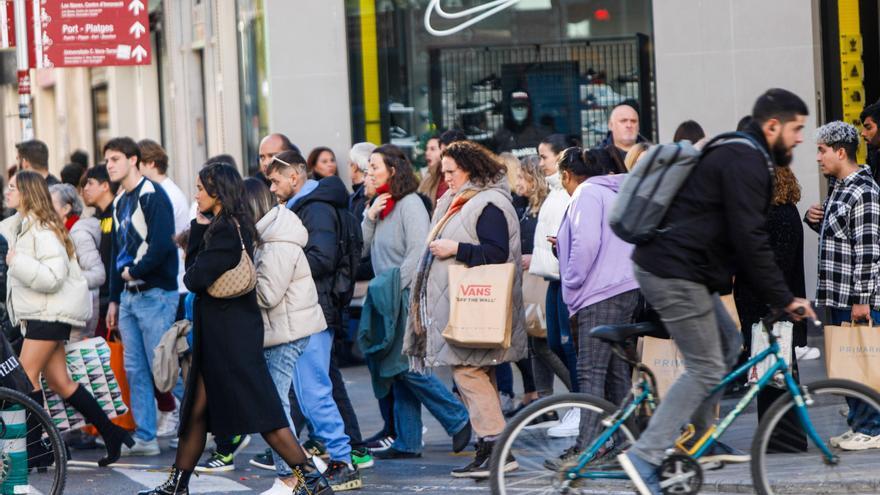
(360,154)
(67,195)
(837,133)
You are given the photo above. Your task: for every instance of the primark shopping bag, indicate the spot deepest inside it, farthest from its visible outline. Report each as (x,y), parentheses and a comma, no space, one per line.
(664,359)
(88,363)
(480,306)
(853,352)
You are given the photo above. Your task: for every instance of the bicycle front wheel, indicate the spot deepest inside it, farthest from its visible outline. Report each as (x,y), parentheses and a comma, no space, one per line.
(785,459)
(540,446)
(33,458)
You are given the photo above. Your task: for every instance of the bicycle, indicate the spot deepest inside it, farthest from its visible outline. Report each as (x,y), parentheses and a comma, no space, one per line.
(796,424)
(44,470)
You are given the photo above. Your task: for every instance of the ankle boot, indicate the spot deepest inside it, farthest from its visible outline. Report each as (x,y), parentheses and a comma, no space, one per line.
(39,454)
(176,484)
(113,435)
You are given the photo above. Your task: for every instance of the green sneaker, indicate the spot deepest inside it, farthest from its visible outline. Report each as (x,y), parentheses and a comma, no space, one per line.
(316,448)
(362,458)
(217,463)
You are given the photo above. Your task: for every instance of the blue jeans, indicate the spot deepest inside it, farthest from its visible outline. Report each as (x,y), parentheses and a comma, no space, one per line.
(143,318)
(559,331)
(314,391)
(411,390)
(861,417)
(281,360)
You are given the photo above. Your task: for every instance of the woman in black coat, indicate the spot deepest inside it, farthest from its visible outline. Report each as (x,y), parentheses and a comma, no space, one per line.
(229,390)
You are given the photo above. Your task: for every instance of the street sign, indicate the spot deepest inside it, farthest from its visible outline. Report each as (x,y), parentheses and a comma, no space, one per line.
(93,34)
(7,28)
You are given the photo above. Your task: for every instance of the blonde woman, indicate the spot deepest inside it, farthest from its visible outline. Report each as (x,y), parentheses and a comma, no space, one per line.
(49,296)
(634,154)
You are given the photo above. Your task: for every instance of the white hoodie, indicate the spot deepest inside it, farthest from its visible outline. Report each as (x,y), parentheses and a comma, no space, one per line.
(285,290)
(544,264)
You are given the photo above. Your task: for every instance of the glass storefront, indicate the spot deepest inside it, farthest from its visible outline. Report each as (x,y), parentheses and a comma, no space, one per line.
(506,72)
(253,79)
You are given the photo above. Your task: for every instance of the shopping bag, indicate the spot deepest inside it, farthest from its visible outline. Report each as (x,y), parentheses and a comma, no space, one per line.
(761,341)
(853,352)
(664,359)
(88,363)
(12,375)
(534,290)
(480,306)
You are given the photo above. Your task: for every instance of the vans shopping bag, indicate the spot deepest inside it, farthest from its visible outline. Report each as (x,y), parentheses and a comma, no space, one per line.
(88,363)
(480,306)
(761,341)
(534,290)
(853,352)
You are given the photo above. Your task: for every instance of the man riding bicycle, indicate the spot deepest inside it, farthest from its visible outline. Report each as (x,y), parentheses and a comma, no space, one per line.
(714,229)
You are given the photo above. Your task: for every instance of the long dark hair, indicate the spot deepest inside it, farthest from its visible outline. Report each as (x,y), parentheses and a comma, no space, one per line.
(222,181)
(402,179)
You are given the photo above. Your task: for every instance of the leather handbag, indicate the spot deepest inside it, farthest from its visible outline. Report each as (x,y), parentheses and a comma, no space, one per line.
(236,281)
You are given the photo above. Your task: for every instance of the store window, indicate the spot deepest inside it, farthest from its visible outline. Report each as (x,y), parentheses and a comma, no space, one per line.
(506,73)
(100,118)
(253,79)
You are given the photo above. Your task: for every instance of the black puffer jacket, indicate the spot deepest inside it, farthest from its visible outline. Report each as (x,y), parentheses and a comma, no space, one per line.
(318,213)
(716,226)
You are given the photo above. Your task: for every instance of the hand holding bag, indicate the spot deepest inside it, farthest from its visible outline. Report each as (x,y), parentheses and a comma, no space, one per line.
(236,281)
(480,306)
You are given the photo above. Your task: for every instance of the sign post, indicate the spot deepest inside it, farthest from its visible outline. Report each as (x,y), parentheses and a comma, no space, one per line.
(24,74)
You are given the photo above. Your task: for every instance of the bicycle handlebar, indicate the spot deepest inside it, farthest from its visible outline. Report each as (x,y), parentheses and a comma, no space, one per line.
(779,314)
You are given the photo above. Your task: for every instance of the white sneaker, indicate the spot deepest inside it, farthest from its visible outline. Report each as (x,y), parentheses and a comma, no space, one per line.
(142,448)
(278,488)
(835,441)
(860,441)
(168,422)
(806,353)
(569,426)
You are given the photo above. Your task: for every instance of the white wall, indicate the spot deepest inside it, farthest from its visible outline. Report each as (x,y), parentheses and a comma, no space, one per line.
(308,75)
(713,58)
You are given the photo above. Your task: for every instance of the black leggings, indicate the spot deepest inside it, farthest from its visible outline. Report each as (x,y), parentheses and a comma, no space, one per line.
(192,441)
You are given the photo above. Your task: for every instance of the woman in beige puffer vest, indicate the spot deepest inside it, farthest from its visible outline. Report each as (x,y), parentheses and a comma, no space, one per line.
(47,294)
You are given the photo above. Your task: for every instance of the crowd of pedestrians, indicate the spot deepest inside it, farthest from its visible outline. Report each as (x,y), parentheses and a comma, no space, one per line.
(265,269)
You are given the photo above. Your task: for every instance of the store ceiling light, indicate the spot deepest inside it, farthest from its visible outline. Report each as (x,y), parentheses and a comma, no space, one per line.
(478,12)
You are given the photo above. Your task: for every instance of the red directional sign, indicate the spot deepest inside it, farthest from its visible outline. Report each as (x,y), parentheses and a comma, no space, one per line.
(89,33)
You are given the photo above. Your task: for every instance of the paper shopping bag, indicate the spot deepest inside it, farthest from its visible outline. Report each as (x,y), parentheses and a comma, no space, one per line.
(760,341)
(664,360)
(853,352)
(480,306)
(88,363)
(535,301)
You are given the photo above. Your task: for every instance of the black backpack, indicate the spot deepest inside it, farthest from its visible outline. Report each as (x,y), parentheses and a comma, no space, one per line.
(350,245)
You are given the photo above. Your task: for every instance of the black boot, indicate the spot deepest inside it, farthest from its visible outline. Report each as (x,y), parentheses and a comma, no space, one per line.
(39,452)
(313,483)
(176,484)
(113,435)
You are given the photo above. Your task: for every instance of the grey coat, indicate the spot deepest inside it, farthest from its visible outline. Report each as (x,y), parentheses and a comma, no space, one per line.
(462,227)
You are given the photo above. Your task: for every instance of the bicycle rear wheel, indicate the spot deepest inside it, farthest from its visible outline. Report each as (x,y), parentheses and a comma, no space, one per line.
(542,432)
(786,460)
(32,453)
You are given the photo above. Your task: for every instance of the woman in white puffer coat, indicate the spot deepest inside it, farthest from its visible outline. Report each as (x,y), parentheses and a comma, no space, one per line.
(544,262)
(47,295)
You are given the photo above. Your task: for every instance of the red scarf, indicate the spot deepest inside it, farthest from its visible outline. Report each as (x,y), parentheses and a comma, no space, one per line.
(389,205)
(71,219)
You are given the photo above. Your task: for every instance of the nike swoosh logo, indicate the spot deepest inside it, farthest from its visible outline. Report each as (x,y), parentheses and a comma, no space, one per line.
(479,13)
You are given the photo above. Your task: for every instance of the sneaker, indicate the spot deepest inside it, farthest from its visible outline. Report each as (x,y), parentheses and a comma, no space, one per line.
(569,426)
(380,444)
(362,458)
(173,443)
(240,442)
(479,467)
(168,422)
(461,439)
(836,441)
(315,448)
(568,458)
(606,458)
(263,460)
(642,473)
(807,353)
(217,463)
(278,488)
(142,448)
(343,476)
(392,453)
(721,452)
(546,420)
(860,441)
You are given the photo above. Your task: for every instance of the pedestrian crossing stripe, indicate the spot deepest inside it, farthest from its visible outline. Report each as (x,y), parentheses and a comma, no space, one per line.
(197,484)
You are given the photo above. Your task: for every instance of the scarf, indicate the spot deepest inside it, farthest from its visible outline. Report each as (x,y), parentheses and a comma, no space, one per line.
(417,350)
(389,205)
(71,219)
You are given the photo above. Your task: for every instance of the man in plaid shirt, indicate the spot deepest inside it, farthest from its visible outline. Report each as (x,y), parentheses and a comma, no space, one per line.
(849,255)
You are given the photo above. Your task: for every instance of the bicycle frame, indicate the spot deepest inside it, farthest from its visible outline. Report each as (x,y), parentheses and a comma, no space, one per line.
(709,438)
